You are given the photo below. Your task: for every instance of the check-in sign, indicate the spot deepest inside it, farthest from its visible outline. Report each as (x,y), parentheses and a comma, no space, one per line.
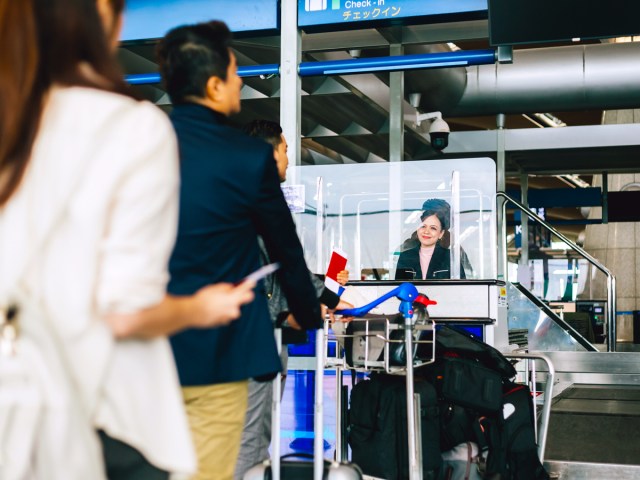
(335,12)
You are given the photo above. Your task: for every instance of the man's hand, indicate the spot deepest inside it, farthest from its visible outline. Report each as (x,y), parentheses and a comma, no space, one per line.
(219,304)
(291,321)
(342,305)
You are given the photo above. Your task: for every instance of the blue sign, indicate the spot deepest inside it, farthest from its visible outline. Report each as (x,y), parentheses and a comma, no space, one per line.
(149,19)
(330,12)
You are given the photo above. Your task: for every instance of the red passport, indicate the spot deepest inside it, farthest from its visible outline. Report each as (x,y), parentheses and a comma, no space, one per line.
(337,263)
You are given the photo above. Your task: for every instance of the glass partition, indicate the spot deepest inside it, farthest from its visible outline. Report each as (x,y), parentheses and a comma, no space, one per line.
(543,333)
(371,211)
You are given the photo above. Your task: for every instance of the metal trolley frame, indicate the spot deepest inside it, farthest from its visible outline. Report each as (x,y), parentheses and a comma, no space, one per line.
(406,293)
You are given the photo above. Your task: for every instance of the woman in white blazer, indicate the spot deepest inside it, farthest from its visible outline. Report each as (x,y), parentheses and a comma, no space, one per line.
(99,265)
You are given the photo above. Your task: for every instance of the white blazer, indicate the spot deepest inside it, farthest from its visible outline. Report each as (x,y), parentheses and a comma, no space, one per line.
(108,254)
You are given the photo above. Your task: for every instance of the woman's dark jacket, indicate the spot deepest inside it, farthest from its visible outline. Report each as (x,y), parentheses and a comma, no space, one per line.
(408,267)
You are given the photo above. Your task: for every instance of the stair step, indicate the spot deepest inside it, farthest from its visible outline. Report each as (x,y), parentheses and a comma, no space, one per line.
(591,471)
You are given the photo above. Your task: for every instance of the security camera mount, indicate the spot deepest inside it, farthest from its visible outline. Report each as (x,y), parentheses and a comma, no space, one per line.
(433,116)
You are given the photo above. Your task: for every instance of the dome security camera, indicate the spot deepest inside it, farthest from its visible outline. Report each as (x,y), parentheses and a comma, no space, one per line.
(438,130)
(439,133)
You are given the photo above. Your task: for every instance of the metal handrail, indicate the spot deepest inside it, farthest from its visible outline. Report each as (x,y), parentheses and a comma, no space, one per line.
(611,280)
(548,396)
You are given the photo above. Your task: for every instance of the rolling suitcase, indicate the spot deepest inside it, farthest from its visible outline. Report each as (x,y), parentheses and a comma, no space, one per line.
(286,468)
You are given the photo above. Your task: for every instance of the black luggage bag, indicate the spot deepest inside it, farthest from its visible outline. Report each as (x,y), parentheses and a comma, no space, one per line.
(378,427)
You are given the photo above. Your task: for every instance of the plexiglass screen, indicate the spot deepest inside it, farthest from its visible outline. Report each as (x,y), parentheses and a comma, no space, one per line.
(375,212)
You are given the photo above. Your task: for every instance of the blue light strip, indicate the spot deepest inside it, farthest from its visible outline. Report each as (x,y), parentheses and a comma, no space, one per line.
(359,65)
(246,71)
(142,78)
(258,70)
(401,62)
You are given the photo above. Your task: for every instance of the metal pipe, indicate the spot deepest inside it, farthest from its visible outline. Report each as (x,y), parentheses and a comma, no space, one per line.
(611,281)
(548,395)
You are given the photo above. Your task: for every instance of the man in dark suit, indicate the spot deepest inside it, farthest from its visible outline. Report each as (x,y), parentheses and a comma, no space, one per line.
(230,194)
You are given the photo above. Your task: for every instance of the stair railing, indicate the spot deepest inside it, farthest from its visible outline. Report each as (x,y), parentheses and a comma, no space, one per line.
(611,280)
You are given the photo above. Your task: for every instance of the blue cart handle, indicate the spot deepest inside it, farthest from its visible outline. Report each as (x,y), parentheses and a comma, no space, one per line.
(405,292)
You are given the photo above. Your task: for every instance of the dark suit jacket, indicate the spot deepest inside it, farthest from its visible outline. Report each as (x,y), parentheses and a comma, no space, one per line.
(230,193)
(439,266)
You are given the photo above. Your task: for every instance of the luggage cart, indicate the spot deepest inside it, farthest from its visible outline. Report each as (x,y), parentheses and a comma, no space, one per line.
(381,340)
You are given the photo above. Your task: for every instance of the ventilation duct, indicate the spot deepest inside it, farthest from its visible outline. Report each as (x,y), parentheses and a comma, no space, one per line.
(581,77)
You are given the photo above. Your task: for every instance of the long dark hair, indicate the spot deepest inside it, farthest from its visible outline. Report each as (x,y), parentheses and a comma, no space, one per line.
(43,43)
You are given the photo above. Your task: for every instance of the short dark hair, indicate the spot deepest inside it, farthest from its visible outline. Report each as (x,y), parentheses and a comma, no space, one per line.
(438,207)
(269,131)
(191,54)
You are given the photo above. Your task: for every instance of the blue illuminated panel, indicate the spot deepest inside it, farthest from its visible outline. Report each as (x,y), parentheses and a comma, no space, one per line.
(149,19)
(327,12)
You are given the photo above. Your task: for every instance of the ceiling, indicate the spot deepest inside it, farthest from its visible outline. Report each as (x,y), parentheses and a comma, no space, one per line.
(345,119)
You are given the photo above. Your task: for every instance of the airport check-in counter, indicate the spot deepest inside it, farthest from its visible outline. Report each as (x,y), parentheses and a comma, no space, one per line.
(479,306)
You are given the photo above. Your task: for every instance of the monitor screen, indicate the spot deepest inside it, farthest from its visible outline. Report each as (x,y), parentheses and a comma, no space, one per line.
(526,21)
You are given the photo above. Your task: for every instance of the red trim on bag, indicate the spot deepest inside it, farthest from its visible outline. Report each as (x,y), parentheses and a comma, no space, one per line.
(514,389)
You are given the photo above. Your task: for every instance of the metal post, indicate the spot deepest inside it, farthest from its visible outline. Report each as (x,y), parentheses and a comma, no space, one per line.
(396,152)
(339,419)
(275,416)
(318,420)
(396,110)
(455,225)
(612,320)
(524,276)
(415,468)
(290,87)
(501,182)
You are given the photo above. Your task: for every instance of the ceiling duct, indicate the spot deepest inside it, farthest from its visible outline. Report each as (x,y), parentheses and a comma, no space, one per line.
(581,77)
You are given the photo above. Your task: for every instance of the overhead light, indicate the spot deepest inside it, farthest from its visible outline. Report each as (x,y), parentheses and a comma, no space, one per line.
(532,120)
(573,181)
(550,120)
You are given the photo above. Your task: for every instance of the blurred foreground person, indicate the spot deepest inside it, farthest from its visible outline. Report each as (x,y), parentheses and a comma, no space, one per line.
(88,214)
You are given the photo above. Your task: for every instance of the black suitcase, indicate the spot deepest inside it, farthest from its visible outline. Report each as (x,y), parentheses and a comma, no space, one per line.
(307,467)
(378,433)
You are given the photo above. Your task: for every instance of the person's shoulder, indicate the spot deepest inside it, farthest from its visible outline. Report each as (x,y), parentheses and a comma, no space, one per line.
(250,143)
(95,107)
(249,148)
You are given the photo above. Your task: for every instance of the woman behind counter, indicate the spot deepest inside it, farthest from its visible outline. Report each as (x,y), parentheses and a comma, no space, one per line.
(429,260)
